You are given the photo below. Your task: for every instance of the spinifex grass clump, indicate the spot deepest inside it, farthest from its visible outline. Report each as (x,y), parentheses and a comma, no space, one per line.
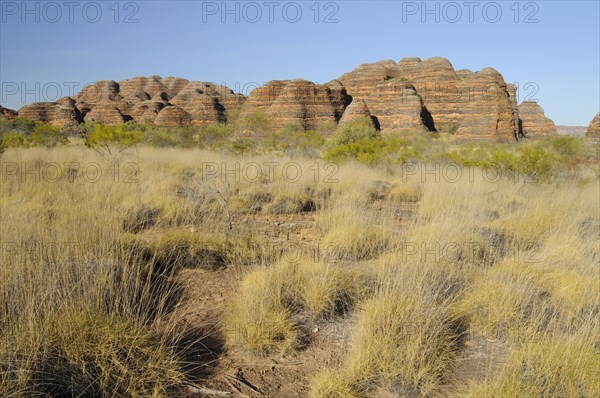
(79,314)
(560,367)
(275,304)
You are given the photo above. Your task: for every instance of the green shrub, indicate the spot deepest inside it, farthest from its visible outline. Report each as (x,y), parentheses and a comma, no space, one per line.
(47,135)
(391,149)
(293,139)
(168,137)
(242,145)
(568,146)
(111,140)
(215,135)
(257,123)
(13,139)
(359,129)
(536,162)
(327,128)
(22,124)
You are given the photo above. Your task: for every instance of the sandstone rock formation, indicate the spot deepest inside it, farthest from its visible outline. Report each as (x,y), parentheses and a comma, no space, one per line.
(105,112)
(297,102)
(477,105)
(356,110)
(428,95)
(170,102)
(533,123)
(593,132)
(173,116)
(8,114)
(60,113)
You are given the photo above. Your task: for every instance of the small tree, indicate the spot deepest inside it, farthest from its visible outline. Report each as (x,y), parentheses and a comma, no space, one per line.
(112,140)
(257,123)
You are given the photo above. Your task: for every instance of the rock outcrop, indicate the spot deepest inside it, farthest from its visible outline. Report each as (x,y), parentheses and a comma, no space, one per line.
(173,116)
(8,114)
(427,95)
(593,131)
(296,102)
(468,104)
(60,113)
(169,102)
(357,109)
(533,123)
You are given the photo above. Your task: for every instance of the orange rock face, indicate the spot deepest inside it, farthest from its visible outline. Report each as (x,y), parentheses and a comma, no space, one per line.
(533,123)
(169,102)
(472,105)
(427,95)
(357,109)
(297,102)
(60,113)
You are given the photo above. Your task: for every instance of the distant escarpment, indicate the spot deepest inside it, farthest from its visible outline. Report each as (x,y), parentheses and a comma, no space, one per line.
(575,131)
(428,95)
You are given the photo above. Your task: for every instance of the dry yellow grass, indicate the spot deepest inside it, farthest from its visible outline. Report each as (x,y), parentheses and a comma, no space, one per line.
(274,306)
(560,367)
(500,259)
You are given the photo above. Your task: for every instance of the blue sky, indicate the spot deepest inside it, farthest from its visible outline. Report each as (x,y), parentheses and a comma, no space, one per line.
(551,49)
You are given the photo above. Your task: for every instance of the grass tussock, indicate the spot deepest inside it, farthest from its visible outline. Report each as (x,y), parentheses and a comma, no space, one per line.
(547,368)
(331,384)
(275,305)
(507,302)
(91,354)
(401,344)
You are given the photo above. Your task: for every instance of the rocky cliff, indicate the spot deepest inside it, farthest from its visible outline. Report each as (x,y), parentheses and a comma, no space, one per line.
(428,95)
(533,123)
